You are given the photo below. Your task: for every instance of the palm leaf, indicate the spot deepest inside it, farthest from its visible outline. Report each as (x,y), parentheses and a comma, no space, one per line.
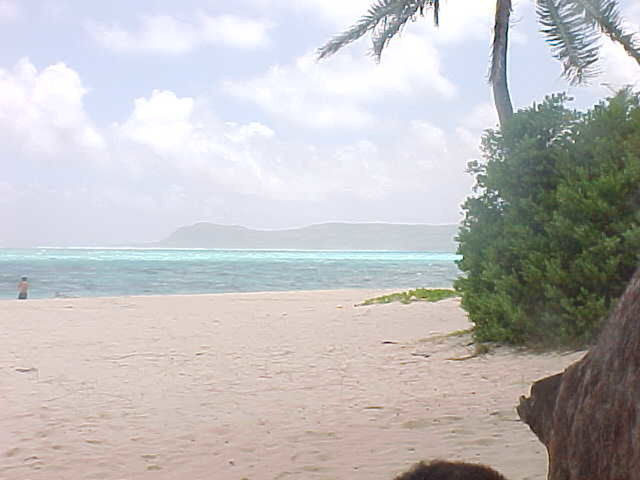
(390,26)
(573,41)
(605,15)
(384,19)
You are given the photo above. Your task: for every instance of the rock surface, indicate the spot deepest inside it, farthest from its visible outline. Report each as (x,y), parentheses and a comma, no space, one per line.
(589,416)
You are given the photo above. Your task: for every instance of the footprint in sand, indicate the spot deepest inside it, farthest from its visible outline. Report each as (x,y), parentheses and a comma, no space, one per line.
(447,419)
(314,433)
(34,462)
(12,451)
(26,369)
(416,424)
(312,468)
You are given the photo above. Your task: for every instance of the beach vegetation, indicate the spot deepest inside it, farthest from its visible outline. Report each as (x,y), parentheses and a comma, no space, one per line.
(417,295)
(551,235)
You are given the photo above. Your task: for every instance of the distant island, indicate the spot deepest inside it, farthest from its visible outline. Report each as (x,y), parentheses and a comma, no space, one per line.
(326,236)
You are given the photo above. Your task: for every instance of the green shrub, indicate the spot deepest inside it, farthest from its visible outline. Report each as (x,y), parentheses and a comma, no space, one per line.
(552,232)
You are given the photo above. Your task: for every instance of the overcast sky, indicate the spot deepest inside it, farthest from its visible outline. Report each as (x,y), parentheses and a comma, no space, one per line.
(121,121)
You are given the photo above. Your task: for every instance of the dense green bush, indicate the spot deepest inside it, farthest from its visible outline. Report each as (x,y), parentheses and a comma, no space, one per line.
(552,232)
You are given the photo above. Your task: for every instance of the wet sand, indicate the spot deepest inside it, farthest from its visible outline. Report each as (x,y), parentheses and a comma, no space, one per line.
(293,385)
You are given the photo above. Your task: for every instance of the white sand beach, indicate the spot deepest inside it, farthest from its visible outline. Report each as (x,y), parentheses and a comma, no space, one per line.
(259,386)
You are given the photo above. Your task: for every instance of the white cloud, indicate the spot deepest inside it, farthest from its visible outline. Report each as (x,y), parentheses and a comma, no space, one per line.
(165,133)
(162,122)
(481,117)
(339,12)
(175,155)
(7,192)
(42,112)
(336,93)
(460,20)
(619,69)
(234,31)
(241,133)
(167,34)
(9,11)
(55,10)
(469,133)
(171,137)
(180,135)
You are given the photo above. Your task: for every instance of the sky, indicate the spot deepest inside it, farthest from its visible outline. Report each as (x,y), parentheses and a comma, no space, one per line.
(121,121)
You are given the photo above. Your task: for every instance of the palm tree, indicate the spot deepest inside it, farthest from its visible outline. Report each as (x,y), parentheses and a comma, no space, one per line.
(572,29)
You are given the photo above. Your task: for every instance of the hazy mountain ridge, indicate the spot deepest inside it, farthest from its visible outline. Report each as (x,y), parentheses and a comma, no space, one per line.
(325,236)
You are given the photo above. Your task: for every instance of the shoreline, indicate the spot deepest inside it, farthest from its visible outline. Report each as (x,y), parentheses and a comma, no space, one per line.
(198,249)
(374,292)
(257,385)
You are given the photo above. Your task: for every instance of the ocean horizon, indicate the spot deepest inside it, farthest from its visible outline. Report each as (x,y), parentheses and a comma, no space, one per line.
(90,271)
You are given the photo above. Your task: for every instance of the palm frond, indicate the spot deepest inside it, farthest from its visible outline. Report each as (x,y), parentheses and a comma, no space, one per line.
(605,15)
(384,19)
(390,26)
(573,41)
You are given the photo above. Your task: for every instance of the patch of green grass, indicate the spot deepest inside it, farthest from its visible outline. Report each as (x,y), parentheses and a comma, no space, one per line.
(417,295)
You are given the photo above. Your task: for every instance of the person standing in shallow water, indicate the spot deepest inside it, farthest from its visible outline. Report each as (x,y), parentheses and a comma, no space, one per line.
(23,288)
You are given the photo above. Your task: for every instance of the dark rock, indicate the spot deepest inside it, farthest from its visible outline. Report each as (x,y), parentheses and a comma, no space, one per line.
(588,417)
(537,410)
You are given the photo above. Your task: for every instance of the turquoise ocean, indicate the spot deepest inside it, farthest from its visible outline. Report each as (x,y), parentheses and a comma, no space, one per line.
(99,272)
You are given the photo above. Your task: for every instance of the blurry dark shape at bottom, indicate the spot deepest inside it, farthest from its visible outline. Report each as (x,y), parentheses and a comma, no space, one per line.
(441,470)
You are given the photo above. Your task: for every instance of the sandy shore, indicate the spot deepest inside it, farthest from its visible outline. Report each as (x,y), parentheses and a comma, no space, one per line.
(297,385)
